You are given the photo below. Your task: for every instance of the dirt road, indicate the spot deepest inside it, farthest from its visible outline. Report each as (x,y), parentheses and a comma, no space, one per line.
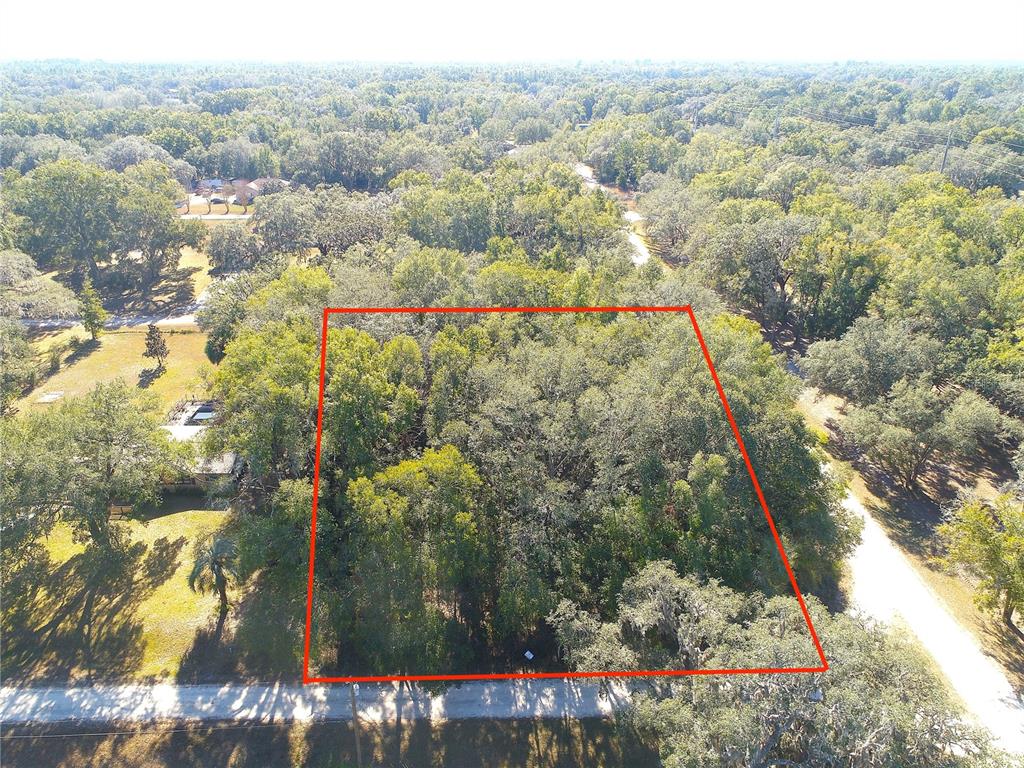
(887,588)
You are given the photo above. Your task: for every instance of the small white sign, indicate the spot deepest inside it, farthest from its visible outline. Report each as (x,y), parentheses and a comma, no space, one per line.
(529,655)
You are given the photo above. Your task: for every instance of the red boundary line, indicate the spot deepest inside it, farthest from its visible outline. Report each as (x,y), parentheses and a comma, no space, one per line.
(307,678)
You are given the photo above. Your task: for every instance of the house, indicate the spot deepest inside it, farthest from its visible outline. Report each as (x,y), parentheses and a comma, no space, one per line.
(209,186)
(266,185)
(186,423)
(237,192)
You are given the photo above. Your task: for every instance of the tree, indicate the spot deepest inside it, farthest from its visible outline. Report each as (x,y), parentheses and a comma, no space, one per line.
(94,452)
(370,401)
(835,275)
(268,385)
(224,310)
(18,368)
(233,247)
(94,316)
(156,346)
(870,357)
(284,223)
(455,214)
(431,277)
(622,151)
(25,292)
(987,541)
(275,540)
(878,705)
(674,213)
(130,151)
(68,215)
(770,258)
(214,564)
(421,559)
(148,223)
(345,219)
(913,423)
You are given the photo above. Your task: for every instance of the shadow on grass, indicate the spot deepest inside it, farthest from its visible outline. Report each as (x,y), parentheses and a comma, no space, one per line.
(129,294)
(549,743)
(1007,646)
(148,376)
(81,351)
(909,516)
(262,640)
(149,746)
(78,620)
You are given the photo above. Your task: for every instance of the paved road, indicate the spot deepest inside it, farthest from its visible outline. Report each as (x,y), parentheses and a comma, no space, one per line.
(887,588)
(183,316)
(180,316)
(519,699)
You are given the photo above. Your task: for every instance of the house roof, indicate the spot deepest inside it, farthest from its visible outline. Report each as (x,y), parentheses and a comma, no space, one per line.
(224,464)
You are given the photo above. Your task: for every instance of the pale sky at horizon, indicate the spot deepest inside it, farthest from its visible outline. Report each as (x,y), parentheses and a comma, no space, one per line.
(522,30)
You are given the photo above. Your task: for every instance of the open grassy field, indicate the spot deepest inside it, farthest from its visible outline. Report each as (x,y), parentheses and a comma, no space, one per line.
(79,614)
(174,291)
(119,355)
(419,744)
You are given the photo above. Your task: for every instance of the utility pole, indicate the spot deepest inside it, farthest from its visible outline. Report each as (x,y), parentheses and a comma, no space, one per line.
(945,152)
(355,724)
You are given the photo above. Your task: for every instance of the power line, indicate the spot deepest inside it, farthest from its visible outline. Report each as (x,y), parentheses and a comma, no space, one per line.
(162,731)
(854,120)
(945,152)
(928,141)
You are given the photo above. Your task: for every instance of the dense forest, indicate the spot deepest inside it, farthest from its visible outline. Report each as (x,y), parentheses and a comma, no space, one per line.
(567,483)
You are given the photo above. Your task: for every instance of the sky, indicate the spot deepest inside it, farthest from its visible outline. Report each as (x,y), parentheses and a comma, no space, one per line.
(515,30)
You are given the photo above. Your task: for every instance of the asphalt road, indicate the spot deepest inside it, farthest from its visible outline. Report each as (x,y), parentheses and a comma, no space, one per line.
(517,699)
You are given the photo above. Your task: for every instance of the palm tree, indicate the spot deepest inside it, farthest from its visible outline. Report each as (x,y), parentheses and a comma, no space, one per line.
(215,562)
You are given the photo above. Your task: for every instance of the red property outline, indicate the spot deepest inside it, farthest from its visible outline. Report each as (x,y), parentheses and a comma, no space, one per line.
(307,678)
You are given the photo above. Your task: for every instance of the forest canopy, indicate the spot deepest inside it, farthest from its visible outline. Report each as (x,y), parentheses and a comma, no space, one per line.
(560,483)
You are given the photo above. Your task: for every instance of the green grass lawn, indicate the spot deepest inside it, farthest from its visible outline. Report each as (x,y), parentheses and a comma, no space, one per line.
(119,355)
(172,614)
(76,613)
(198,261)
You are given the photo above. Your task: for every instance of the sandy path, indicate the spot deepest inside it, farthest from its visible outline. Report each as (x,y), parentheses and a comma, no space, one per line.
(887,588)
